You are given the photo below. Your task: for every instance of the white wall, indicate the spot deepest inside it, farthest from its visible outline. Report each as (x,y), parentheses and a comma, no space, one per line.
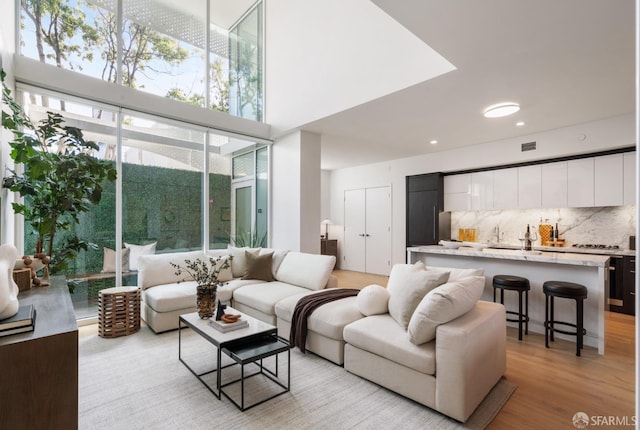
(584,138)
(7,48)
(295,193)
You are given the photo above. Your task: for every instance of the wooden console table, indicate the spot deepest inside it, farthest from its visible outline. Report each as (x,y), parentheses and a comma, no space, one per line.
(39,386)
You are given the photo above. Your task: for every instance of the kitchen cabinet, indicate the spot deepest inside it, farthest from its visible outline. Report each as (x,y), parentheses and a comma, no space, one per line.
(554,185)
(629,181)
(457,192)
(608,180)
(530,187)
(426,221)
(580,186)
(482,190)
(505,188)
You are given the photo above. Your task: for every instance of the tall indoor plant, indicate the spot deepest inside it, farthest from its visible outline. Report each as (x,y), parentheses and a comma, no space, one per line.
(59,178)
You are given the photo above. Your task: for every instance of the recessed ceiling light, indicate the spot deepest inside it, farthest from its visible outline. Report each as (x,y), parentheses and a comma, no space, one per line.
(433,142)
(520,123)
(501,109)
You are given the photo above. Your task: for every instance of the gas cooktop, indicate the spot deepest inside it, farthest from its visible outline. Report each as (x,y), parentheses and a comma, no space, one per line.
(594,246)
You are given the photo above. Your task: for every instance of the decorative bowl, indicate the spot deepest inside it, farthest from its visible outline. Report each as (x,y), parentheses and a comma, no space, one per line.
(450,244)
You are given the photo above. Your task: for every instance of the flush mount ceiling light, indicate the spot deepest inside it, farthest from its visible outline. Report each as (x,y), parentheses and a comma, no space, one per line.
(433,142)
(501,109)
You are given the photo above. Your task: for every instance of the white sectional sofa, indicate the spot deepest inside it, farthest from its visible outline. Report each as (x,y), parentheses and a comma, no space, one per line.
(447,354)
(426,336)
(165,296)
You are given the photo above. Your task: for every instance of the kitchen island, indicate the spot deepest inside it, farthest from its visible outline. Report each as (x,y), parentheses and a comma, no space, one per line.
(537,266)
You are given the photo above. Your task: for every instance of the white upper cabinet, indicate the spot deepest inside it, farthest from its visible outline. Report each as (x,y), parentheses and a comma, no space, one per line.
(482,190)
(608,180)
(554,185)
(580,182)
(629,183)
(530,186)
(505,188)
(457,192)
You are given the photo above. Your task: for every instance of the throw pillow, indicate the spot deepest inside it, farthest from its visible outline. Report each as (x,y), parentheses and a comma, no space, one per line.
(259,266)
(444,304)
(225,275)
(137,251)
(239,261)
(373,300)
(109,260)
(408,284)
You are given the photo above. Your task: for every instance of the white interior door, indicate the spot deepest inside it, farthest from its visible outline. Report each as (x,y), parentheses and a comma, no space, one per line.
(354,246)
(378,230)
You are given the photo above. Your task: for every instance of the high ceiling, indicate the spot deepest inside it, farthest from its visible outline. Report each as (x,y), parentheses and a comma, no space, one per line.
(565,62)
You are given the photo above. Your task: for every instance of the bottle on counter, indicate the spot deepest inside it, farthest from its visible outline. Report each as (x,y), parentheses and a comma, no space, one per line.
(557,235)
(527,239)
(551,236)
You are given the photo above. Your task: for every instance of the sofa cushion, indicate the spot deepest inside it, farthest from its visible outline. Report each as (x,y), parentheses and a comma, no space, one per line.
(157,269)
(109,260)
(310,271)
(259,266)
(137,251)
(444,304)
(171,297)
(239,261)
(225,291)
(457,273)
(264,296)
(373,300)
(278,257)
(408,284)
(327,320)
(381,335)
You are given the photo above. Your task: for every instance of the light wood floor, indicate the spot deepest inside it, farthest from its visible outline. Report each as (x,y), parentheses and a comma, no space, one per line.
(554,384)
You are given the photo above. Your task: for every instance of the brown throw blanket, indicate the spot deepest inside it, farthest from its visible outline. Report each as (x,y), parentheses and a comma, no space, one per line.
(306,305)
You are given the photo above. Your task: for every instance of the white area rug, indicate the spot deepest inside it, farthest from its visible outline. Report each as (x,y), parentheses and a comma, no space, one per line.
(137,382)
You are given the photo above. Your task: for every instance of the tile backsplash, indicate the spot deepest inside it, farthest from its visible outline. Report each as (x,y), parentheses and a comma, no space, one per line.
(603,225)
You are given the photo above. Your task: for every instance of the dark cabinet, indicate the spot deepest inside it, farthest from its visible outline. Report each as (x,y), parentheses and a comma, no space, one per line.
(329,247)
(426,222)
(622,284)
(629,285)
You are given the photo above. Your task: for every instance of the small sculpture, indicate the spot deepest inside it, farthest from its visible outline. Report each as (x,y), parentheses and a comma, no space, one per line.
(8,288)
(220,310)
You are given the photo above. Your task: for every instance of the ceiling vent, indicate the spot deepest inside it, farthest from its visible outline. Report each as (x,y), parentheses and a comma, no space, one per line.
(529,146)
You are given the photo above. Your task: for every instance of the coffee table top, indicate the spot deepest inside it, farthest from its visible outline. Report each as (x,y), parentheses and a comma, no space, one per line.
(256,328)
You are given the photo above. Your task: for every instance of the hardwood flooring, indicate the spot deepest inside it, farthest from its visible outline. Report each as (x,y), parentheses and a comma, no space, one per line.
(554,384)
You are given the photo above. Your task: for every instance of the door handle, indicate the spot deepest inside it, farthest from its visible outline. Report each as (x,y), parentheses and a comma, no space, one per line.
(435,235)
(361,235)
(368,235)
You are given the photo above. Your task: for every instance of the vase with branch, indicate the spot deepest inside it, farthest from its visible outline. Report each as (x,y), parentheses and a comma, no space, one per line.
(206,273)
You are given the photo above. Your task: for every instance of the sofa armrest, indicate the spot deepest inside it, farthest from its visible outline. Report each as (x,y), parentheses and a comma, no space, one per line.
(471,357)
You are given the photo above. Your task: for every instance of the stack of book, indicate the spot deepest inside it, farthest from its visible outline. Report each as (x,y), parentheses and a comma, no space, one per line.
(23,321)
(225,327)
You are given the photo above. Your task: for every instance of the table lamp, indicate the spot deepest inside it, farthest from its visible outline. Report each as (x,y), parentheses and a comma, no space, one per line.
(326,223)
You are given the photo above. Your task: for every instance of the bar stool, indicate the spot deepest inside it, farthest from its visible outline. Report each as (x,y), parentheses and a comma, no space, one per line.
(564,290)
(521,285)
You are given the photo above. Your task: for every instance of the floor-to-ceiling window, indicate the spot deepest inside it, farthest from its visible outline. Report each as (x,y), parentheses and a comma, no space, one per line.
(170,198)
(156,46)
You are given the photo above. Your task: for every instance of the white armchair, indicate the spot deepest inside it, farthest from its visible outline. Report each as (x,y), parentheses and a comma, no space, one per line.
(8,288)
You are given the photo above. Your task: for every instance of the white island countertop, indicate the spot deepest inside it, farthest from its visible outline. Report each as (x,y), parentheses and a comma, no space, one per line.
(516,254)
(538,267)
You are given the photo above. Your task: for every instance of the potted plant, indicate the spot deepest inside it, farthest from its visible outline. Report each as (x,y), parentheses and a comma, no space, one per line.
(206,274)
(60,178)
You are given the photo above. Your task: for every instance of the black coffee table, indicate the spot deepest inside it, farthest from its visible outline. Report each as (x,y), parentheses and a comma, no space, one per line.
(249,345)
